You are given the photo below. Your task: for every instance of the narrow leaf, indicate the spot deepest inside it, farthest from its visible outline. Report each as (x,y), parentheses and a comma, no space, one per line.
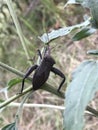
(1,100)
(47,37)
(72,2)
(9,127)
(85,32)
(13,82)
(84,3)
(93,52)
(79,93)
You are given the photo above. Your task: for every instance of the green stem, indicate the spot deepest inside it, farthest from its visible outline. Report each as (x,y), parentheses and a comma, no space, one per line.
(18,114)
(11,69)
(16,22)
(46,87)
(90,109)
(15,97)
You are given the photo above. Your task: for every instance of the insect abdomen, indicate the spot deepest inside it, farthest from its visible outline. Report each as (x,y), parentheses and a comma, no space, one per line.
(39,79)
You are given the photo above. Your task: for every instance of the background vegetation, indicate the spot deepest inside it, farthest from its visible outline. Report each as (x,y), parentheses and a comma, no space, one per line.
(37,17)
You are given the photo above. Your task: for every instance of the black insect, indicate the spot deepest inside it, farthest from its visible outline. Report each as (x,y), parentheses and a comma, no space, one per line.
(42,71)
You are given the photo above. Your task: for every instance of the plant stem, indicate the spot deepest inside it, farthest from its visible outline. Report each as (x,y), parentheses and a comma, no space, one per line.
(30,105)
(11,69)
(90,109)
(18,114)
(15,97)
(16,22)
(46,87)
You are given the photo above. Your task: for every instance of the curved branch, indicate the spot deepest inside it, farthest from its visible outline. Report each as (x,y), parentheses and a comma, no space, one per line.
(46,87)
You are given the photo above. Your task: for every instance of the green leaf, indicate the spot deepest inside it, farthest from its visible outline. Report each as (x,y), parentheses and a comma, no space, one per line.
(13,82)
(47,37)
(9,127)
(85,32)
(79,68)
(79,93)
(92,52)
(1,100)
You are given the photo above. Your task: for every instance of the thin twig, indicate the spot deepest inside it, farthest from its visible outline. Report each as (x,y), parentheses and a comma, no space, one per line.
(46,87)
(18,27)
(19,112)
(14,104)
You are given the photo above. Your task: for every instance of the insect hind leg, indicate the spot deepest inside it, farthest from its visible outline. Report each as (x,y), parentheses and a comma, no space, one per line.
(58,72)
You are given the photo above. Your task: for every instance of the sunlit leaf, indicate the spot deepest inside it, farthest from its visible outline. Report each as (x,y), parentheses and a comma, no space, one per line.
(84,3)
(79,93)
(73,2)
(47,37)
(85,32)
(9,127)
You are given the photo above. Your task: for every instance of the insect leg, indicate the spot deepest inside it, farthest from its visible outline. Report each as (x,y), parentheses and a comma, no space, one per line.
(47,50)
(58,72)
(39,53)
(30,70)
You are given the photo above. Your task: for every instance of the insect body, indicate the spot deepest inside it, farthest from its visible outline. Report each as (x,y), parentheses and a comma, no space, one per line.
(42,71)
